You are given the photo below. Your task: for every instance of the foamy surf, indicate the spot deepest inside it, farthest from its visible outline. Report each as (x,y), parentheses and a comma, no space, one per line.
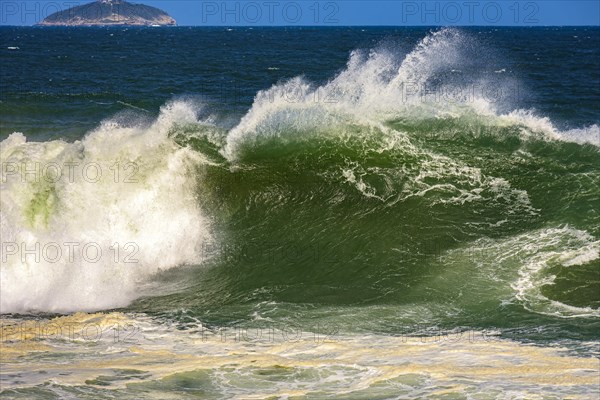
(135,354)
(147,215)
(381,86)
(84,223)
(405,227)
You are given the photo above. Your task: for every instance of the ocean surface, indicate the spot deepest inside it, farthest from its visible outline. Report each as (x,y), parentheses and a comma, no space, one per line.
(300,213)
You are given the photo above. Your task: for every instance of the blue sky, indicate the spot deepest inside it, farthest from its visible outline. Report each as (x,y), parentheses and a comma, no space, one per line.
(340,13)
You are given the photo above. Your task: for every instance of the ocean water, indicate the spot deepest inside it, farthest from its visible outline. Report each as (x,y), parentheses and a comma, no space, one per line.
(252,213)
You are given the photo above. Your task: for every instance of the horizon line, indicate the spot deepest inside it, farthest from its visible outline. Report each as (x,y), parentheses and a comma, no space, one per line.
(298,26)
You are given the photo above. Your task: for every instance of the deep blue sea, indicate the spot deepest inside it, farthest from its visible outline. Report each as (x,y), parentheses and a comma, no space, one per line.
(300,213)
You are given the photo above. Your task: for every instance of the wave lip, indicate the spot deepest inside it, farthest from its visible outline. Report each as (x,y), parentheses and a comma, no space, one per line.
(441,78)
(365,119)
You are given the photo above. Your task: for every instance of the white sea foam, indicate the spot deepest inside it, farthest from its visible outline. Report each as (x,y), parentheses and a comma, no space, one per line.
(379,86)
(270,361)
(158,212)
(517,269)
(143,220)
(542,249)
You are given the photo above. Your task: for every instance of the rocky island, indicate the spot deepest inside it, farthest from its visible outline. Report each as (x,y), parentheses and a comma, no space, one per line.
(108,13)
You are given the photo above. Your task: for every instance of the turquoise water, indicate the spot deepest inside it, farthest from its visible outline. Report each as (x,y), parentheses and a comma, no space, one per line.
(310,213)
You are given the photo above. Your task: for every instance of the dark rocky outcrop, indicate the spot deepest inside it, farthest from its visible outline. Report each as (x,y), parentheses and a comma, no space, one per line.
(109,12)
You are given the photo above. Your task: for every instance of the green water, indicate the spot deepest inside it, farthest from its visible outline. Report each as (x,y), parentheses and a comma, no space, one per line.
(325,236)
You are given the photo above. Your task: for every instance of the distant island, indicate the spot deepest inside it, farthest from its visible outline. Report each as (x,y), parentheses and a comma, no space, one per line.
(109,13)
